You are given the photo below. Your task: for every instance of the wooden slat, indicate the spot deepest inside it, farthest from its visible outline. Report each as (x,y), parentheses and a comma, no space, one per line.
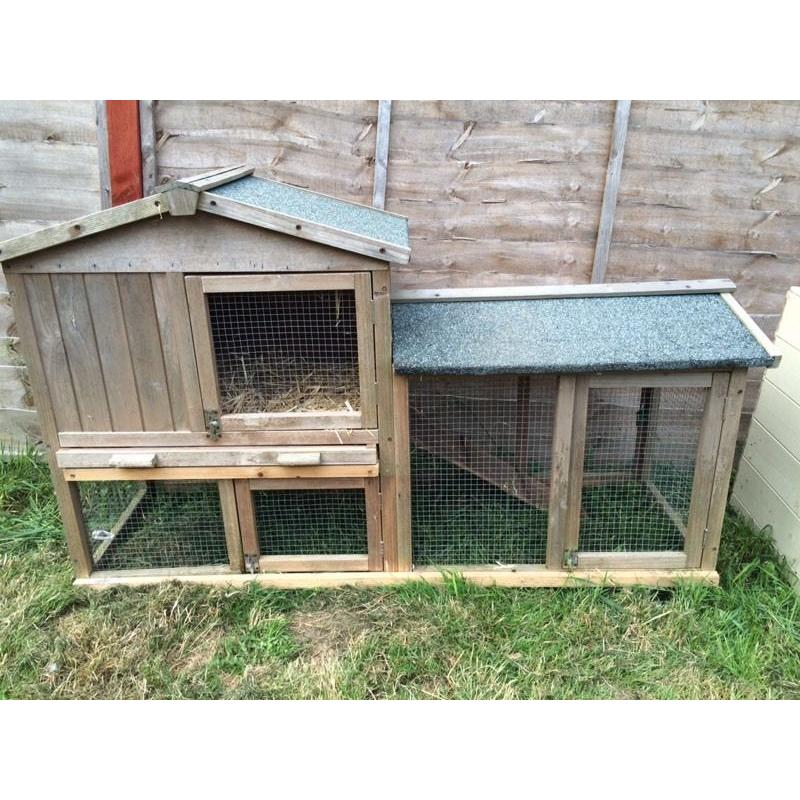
(560,472)
(289,420)
(77,333)
(220,473)
(328,455)
(180,202)
(366,350)
(372,503)
(144,341)
(402,443)
(612,380)
(335,563)
(67,495)
(577,476)
(278,283)
(282,484)
(115,358)
(381,153)
(203,344)
(534,578)
(233,209)
(674,516)
(613,173)
(147,138)
(751,326)
(247,519)
(230,519)
(722,471)
(230,439)
(137,498)
(612,560)
(704,286)
(210,179)
(83,226)
(46,337)
(707,452)
(103,160)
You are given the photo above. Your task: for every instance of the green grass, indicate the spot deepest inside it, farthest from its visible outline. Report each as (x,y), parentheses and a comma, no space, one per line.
(741,640)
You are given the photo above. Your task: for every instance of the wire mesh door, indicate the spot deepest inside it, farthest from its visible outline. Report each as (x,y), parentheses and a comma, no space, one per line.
(310,525)
(156,525)
(284,351)
(480,468)
(639,463)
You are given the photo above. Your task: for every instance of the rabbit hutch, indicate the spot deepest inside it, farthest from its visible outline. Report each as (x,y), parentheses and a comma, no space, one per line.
(228,391)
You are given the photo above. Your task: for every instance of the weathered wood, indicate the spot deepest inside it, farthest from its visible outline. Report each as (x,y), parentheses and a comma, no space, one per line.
(614,561)
(282,484)
(751,326)
(381,153)
(278,283)
(323,234)
(203,344)
(662,501)
(312,563)
(366,350)
(103,161)
(291,420)
(115,357)
(532,578)
(137,498)
(402,444)
(230,520)
(230,439)
(247,520)
(220,473)
(560,472)
(607,211)
(706,286)
(147,137)
(127,459)
(577,476)
(707,453)
(372,505)
(609,380)
(181,202)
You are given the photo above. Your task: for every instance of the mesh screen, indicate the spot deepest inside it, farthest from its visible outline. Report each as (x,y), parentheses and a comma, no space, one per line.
(153,524)
(308,522)
(641,446)
(480,468)
(285,351)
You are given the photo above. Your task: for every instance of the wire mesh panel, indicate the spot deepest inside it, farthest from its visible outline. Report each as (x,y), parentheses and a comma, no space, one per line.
(641,447)
(480,468)
(298,522)
(153,524)
(289,351)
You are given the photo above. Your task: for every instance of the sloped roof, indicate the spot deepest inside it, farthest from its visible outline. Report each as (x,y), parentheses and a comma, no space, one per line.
(575,335)
(235,193)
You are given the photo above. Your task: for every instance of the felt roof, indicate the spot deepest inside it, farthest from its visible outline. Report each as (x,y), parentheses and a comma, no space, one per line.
(567,335)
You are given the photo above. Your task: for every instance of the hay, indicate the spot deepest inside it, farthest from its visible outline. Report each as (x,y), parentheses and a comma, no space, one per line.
(291,385)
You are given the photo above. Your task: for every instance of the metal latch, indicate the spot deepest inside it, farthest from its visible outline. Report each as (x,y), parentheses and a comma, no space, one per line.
(570,559)
(213,427)
(251,564)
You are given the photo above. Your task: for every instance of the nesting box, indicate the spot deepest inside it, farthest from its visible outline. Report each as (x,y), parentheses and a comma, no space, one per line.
(214,372)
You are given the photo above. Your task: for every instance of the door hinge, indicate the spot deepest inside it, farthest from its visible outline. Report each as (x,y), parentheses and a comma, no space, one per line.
(570,559)
(251,564)
(213,427)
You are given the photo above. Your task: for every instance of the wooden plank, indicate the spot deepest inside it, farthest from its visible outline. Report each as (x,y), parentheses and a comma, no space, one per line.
(384,375)
(103,161)
(144,341)
(577,476)
(83,226)
(751,326)
(159,574)
(543,578)
(129,459)
(724,465)
(612,560)
(674,516)
(402,443)
(46,337)
(147,138)
(334,563)
(220,473)
(707,452)
(611,380)
(77,333)
(372,503)
(704,286)
(327,455)
(247,520)
(115,358)
(366,350)
(124,150)
(69,502)
(290,420)
(278,283)
(613,173)
(180,202)
(137,498)
(203,344)
(211,180)
(280,485)
(323,234)
(230,519)
(381,153)
(560,472)
(231,438)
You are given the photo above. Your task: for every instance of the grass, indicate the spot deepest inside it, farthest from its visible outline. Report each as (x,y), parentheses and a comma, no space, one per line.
(741,640)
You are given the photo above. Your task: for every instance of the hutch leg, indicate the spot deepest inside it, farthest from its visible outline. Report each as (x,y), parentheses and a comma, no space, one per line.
(722,474)
(230,519)
(247,525)
(372,501)
(559,473)
(707,450)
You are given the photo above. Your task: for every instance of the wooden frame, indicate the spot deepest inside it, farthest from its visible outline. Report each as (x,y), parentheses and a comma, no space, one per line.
(310,562)
(198,287)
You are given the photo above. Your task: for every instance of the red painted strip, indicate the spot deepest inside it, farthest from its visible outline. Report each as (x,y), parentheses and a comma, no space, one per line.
(124,150)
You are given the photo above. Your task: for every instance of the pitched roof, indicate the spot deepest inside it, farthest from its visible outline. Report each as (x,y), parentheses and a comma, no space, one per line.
(235,193)
(577,334)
